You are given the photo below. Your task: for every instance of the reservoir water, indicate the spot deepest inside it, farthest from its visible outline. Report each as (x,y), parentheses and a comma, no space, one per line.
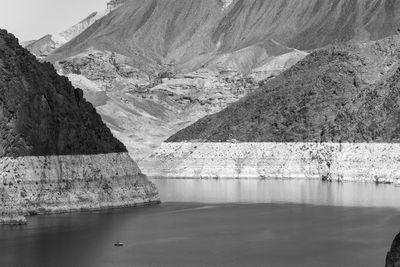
(220,223)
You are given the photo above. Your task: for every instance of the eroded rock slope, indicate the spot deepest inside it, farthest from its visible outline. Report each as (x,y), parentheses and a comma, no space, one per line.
(343,93)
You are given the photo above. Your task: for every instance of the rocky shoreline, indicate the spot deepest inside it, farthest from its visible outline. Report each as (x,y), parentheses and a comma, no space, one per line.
(356,162)
(61,184)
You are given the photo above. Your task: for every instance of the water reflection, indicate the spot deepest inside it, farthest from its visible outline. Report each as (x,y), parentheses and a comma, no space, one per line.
(279,191)
(198,234)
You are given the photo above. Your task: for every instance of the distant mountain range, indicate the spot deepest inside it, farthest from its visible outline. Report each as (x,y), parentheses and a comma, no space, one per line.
(153,67)
(190,33)
(47,44)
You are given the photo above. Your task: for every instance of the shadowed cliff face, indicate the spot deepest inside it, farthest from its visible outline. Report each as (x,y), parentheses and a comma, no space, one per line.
(393,256)
(41,113)
(339,94)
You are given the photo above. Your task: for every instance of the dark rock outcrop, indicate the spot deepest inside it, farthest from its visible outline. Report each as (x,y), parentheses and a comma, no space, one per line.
(41,113)
(393,256)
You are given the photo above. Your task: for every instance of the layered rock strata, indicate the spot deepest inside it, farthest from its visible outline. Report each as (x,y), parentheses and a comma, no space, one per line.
(57,184)
(364,162)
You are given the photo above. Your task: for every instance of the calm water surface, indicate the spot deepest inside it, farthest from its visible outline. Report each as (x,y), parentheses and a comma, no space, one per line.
(220,223)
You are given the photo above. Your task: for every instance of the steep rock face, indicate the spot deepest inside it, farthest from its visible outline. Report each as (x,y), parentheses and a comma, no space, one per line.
(42,114)
(178,31)
(340,94)
(306,24)
(393,256)
(56,154)
(59,184)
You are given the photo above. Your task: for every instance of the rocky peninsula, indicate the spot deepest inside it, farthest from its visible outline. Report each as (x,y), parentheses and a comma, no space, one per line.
(56,154)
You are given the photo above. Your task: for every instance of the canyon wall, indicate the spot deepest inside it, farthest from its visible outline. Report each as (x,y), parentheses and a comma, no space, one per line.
(364,162)
(57,184)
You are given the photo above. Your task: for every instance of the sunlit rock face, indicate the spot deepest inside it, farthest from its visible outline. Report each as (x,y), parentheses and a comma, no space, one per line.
(56,154)
(179,32)
(358,162)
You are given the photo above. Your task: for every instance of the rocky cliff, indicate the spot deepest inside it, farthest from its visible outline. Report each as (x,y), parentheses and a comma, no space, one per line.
(356,162)
(56,154)
(393,256)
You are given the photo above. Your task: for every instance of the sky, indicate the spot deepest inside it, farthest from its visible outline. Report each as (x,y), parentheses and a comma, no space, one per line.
(32,19)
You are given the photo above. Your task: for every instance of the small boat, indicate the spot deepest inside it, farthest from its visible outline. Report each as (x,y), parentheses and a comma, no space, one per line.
(119,244)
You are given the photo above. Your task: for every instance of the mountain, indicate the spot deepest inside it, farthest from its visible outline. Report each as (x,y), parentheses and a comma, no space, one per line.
(56,154)
(153,67)
(26,43)
(191,32)
(332,116)
(47,44)
(42,113)
(340,94)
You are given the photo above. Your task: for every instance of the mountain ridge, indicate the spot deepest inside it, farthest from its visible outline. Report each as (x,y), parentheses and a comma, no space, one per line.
(339,94)
(303,25)
(44,46)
